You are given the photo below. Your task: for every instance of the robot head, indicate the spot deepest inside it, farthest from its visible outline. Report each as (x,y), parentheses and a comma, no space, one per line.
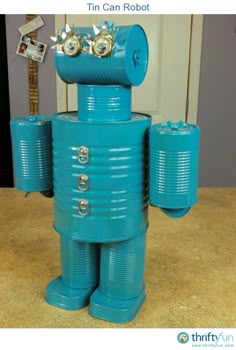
(102,55)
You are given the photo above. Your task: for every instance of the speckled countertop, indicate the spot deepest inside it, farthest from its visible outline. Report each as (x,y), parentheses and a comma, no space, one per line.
(190,265)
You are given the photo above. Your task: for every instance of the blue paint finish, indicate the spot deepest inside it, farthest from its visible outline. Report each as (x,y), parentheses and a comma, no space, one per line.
(60,295)
(79,263)
(79,275)
(100,176)
(115,310)
(104,103)
(121,290)
(126,66)
(117,177)
(122,268)
(173,176)
(32,154)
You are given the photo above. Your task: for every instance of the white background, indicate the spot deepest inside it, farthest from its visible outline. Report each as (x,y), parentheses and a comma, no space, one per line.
(104,339)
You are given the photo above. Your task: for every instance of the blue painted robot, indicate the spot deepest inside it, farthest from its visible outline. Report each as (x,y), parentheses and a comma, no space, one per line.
(108,162)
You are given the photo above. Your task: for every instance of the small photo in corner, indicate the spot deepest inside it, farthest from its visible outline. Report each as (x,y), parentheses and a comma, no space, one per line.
(32,49)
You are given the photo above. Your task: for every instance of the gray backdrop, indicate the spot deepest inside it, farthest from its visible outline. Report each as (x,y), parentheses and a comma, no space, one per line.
(217,102)
(18,66)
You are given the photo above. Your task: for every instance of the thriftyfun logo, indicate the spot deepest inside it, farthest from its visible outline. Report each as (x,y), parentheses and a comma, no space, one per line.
(211,337)
(219,339)
(183,337)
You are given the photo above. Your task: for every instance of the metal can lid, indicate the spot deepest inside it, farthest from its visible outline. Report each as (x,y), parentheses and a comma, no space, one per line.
(29,120)
(171,128)
(72,116)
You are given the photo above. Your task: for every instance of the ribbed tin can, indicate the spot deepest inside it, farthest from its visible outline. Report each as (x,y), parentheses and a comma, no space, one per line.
(104,102)
(100,177)
(79,263)
(32,153)
(127,64)
(122,268)
(173,173)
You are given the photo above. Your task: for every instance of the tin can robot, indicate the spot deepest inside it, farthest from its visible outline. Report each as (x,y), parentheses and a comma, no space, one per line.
(107,162)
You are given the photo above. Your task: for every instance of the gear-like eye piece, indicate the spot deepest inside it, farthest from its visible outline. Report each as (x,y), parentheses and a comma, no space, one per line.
(68,42)
(102,44)
(72,46)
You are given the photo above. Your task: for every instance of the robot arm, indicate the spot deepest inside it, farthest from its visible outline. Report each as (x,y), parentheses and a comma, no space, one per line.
(173,176)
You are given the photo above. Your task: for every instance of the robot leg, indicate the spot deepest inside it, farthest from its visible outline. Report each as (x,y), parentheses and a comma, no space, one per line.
(79,277)
(121,290)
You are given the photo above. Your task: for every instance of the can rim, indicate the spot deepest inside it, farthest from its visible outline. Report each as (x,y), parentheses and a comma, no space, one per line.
(146,116)
(28,120)
(170,128)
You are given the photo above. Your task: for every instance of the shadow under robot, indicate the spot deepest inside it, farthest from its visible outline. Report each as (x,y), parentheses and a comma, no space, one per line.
(108,163)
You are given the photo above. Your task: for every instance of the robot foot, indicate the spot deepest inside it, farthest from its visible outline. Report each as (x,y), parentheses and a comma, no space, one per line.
(115,310)
(58,294)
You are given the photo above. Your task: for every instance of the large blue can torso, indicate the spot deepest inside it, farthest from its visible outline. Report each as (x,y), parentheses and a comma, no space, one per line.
(100,195)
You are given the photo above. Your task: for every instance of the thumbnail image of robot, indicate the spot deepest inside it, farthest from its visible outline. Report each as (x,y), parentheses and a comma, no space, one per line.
(104,164)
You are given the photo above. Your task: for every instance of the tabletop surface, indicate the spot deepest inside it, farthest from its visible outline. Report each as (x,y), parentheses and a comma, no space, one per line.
(189,273)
